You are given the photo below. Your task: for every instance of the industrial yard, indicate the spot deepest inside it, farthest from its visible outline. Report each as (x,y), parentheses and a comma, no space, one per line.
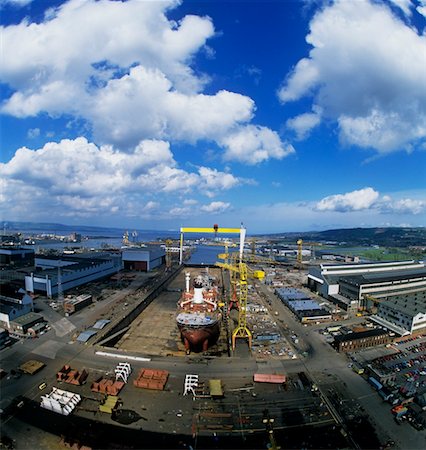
(117,358)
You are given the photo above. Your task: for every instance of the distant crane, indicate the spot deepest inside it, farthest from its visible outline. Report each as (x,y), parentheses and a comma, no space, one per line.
(126,238)
(169,243)
(300,244)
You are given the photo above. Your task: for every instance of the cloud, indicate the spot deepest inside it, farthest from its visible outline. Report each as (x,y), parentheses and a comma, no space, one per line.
(404,5)
(352,201)
(77,176)
(421,8)
(15,3)
(369,199)
(33,133)
(366,72)
(215,207)
(252,144)
(303,124)
(125,68)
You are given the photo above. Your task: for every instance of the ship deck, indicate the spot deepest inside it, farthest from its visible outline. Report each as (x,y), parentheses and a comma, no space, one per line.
(155,332)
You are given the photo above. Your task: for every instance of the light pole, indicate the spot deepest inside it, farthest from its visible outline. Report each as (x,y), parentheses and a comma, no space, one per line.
(269,426)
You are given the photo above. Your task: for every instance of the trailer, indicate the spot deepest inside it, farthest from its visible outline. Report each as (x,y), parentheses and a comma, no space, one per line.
(31,367)
(376,384)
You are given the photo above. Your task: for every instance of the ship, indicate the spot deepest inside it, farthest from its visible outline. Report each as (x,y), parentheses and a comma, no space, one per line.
(198,315)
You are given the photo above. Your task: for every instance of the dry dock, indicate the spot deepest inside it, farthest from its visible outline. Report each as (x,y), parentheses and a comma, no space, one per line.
(154,332)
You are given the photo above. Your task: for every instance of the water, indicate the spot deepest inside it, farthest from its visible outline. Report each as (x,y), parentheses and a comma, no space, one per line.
(206,255)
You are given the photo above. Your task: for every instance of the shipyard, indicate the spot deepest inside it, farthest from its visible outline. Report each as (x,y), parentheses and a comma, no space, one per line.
(235,350)
(212,224)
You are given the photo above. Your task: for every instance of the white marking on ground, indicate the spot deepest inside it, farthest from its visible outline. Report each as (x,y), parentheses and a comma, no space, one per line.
(115,355)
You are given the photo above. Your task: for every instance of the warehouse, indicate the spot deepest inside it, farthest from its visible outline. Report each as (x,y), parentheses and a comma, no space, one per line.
(352,342)
(403,312)
(306,309)
(13,304)
(70,271)
(348,284)
(143,259)
(16,257)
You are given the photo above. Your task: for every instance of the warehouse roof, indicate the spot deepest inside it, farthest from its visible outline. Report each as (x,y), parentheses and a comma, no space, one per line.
(360,335)
(86,335)
(396,275)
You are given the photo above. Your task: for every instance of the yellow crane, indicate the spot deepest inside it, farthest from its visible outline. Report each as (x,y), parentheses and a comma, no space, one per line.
(300,244)
(240,273)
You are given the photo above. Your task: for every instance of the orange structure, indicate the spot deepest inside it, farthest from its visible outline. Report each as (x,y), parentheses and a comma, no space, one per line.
(152,379)
(72,376)
(105,386)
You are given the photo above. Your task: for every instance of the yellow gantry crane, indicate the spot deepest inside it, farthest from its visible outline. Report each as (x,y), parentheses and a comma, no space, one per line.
(240,273)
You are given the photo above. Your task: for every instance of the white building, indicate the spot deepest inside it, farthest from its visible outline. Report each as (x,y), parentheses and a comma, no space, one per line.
(349,284)
(406,312)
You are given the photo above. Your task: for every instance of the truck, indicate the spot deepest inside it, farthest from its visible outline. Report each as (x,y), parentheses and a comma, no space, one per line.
(376,384)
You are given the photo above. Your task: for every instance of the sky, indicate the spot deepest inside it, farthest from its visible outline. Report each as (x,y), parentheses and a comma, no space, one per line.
(283,115)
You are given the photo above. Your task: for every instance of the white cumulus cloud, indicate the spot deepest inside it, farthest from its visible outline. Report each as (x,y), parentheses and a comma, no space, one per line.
(366,71)
(215,207)
(369,199)
(254,144)
(77,176)
(125,68)
(352,201)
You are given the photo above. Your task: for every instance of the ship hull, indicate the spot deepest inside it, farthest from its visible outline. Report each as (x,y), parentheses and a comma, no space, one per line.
(199,339)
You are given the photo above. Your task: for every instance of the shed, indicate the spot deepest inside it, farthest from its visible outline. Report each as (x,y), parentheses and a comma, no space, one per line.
(100,324)
(86,335)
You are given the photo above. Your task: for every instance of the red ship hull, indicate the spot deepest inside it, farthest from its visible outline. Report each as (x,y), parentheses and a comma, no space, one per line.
(199,339)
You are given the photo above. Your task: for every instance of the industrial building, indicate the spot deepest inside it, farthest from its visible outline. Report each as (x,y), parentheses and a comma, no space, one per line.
(403,314)
(72,305)
(13,304)
(143,259)
(16,257)
(23,324)
(352,342)
(350,285)
(70,271)
(306,309)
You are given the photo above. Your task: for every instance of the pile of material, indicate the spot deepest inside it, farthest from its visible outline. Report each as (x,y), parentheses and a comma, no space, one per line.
(71,376)
(105,386)
(152,379)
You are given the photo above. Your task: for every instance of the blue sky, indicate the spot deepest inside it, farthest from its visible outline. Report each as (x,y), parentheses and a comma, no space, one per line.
(283,115)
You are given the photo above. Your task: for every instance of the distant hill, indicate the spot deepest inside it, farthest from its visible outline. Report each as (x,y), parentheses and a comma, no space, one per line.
(386,237)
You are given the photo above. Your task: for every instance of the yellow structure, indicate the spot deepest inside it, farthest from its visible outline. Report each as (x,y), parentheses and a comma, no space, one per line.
(300,248)
(214,229)
(239,280)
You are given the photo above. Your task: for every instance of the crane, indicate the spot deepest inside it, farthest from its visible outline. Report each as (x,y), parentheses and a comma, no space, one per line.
(240,273)
(300,243)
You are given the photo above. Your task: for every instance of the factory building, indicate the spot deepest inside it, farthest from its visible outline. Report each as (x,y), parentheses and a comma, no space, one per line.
(404,314)
(23,324)
(143,259)
(70,271)
(352,342)
(348,285)
(306,309)
(16,257)
(13,304)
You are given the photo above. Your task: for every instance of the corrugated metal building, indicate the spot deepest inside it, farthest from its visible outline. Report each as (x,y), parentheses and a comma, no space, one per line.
(143,259)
